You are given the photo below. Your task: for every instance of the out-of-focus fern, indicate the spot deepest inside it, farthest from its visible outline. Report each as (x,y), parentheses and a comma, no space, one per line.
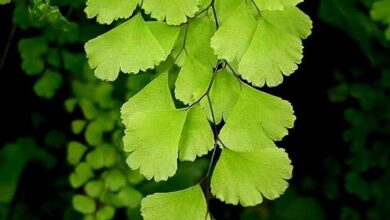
(368,111)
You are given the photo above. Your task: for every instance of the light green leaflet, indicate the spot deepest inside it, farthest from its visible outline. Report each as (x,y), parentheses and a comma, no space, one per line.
(248,176)
(131,47)
(223,95)
(266,48)
(154,97)
(225,8)
(173,11)
(165,206)
(197,42)
(266,120)
(106,12)
(381,12)
(291,20)
(193,80)
(186,134)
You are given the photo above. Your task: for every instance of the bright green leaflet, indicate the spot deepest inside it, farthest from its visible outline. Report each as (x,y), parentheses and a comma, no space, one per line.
(266,48)
(214,53)
(271,54)
(380,12)
(107,12)
(174,11)
(186,131)
(189,204)
(266,120)
(194,40)
(233,38)
(193,80)
(154,97)
(225,8)
(223,95)
(292,20)
(132,47)
(179,133)
(247,177)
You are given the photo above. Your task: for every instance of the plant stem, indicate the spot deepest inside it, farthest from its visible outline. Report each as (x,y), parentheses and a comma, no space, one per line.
(6,48)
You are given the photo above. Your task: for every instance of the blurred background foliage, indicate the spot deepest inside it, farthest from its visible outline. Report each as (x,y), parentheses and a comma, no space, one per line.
(61,154)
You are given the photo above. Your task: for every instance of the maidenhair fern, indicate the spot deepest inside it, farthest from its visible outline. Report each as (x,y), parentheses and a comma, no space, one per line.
(217,53)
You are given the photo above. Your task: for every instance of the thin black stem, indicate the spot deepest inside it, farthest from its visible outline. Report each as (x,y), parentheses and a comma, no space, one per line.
(208,196)
(200,12)
(208,88)
(215,14)
(257,8)
(7,46)
(235,73)
(220,141)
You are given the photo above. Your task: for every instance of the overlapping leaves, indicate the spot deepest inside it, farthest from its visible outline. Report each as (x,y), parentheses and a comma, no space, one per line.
(220,49)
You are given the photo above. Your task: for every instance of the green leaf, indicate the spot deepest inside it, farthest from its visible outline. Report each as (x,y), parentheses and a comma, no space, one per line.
(247,177)
(43,14)
(189,204)
(94,133)
(184,130)
(105,213)
(123,48)
(276,4)
(193,80)
(223,95)
(153,97)
(94,188)
(102,156)
(70,104)
(129,197)
(108,12)
(174,12)
(114,180)
(31,51)
(266,120)
(78,126)
(75,152)
(163,147)
(88,108)
(47,86)
(225,8)
(81,175)
(381,12)
(197,137)
(265,49)
(272,53)
(195,39)
(235,35)
(84,204)
(291,20)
